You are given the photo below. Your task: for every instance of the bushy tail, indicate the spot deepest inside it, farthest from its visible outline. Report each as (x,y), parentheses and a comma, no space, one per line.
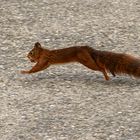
(117,63)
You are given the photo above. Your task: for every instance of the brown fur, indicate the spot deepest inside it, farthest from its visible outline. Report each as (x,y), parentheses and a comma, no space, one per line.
(115,63)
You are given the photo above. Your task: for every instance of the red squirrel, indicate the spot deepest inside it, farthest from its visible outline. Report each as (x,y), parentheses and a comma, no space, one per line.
(103,61)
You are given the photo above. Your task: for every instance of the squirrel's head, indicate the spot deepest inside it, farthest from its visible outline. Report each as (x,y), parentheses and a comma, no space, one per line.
(34,54)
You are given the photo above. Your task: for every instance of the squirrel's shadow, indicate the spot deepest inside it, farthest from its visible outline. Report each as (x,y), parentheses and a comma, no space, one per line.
(90,79)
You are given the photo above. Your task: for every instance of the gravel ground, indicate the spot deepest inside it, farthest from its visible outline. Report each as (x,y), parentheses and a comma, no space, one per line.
(68,102)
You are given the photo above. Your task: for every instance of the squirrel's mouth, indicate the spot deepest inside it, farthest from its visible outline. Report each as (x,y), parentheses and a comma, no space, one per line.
(32,60)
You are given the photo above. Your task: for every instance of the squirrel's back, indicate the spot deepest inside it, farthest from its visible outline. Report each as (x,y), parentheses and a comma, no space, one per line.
(66,55)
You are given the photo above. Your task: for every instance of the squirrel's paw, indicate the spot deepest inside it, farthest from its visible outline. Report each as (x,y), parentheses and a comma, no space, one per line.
(24,72)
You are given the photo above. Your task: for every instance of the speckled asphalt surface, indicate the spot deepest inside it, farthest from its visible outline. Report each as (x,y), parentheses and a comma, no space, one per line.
(67,102)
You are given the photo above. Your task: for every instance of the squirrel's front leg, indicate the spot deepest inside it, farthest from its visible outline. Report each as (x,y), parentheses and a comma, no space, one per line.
(36,68)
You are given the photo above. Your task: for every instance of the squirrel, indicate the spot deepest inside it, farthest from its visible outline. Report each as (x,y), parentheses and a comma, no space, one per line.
(103,61)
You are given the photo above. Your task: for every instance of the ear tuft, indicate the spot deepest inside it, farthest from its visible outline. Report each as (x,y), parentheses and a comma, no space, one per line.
(37,45)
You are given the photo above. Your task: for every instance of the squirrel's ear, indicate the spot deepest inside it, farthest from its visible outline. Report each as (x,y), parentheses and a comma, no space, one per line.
(37,45)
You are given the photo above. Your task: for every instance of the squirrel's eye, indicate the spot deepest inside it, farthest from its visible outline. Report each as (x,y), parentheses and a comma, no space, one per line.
(31,53)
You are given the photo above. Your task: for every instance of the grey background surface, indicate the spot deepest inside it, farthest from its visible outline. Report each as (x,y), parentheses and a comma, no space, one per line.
(67,102)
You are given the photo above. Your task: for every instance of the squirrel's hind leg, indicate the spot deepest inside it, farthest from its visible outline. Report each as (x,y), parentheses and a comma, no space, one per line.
(86,60)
